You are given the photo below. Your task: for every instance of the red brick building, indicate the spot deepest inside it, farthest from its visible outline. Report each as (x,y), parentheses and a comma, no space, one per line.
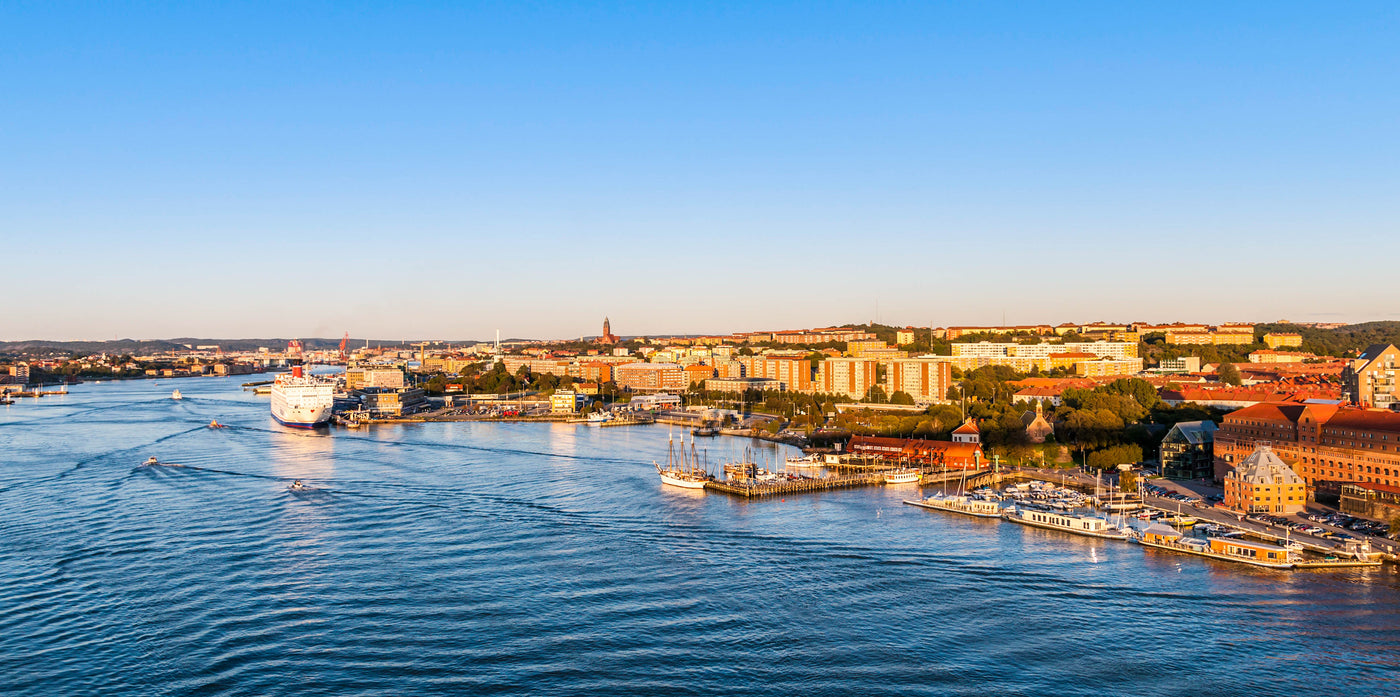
(928,453)
(1321,442)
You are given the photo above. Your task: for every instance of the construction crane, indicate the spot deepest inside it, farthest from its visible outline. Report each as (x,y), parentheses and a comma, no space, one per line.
(343,339)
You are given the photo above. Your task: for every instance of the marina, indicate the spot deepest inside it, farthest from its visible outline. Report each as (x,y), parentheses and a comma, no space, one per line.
(384,510)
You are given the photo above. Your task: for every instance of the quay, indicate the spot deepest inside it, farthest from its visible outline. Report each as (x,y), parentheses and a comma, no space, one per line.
(753,489)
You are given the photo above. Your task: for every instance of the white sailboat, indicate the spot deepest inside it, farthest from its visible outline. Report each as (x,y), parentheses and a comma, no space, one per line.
(685,472)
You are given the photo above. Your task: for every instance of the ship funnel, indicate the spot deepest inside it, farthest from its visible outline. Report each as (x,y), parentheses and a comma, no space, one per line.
(296,371)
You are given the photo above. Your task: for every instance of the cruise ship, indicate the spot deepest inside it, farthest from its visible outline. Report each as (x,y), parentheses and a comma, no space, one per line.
(302,401)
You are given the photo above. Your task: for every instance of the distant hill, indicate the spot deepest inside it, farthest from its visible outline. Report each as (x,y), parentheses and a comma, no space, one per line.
(41,347)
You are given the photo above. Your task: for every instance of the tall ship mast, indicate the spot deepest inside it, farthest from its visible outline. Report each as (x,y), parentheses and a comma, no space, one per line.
(686,471)
(302,401)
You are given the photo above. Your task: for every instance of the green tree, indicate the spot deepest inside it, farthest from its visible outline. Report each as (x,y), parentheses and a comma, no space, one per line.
(901,398)
(1228,374)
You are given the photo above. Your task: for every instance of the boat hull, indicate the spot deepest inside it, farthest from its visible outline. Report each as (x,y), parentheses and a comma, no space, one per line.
(936,507)
(1061,528)
(313,422)
(682,482)
(1212,555)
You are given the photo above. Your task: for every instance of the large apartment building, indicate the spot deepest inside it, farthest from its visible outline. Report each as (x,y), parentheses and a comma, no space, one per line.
(851,377)
(1322,442)
(924,379)
(650,377)
(1099,349)
(1369,380)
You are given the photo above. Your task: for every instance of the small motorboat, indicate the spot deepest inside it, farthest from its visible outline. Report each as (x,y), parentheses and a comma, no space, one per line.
(176,395)
(298,486)
(150,461)
(216,424)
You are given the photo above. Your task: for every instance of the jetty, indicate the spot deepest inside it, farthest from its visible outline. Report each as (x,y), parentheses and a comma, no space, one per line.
(754,488)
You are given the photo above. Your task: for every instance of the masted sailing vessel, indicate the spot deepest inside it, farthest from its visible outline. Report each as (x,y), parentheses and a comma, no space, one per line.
(686,471)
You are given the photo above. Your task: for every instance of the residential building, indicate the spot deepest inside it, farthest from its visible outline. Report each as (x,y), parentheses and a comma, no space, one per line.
(590,371)
(1039,394)
(1184,364)
(650,377)
(567,402)
(362,376)
(925,379)
(1269,356)
(851,377)
(1369,380)
(1188,450)
(904,337)
(792,368)
(697,374)
(1098,349)
(1264,483)
(1277,341)
(967,433)
(1217,336)
(952,333)
(740,384)
(20,372)
(1108,367)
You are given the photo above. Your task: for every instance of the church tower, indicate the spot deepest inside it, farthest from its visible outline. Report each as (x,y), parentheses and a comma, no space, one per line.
(607,328)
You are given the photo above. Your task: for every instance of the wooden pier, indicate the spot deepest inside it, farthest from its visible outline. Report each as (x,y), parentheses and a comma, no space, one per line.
(749,488)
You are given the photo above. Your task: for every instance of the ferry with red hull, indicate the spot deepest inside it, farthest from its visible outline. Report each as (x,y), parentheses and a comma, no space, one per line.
(302,401)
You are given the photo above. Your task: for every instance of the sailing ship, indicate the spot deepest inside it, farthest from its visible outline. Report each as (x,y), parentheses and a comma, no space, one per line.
(686,471)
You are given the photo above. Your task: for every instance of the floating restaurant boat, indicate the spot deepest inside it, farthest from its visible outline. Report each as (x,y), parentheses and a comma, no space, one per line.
(904,476)
(1223,548)
(960,504)
(1089,526)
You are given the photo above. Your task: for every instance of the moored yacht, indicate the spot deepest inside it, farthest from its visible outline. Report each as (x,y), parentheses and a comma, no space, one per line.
(805,462)
(960,504)
(1089,526)
(904,476)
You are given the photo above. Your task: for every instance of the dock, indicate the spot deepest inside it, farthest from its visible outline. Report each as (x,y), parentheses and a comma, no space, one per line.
(754,489)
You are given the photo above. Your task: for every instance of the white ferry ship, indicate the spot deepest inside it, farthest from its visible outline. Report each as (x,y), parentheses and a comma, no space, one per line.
(302,401)
(1089,526)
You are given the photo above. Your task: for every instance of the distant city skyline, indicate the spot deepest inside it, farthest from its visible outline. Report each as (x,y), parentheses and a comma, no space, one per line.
(445,170)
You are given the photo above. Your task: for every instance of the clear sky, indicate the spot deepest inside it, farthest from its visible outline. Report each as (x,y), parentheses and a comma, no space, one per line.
(447,169)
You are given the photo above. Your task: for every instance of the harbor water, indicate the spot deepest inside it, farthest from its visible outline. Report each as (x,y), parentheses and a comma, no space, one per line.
(493,558)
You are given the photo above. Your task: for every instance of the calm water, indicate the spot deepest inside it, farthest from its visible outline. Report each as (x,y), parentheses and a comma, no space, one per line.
(525,558)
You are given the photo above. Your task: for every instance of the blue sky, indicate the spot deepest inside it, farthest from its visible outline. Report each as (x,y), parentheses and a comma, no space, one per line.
(446,169)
